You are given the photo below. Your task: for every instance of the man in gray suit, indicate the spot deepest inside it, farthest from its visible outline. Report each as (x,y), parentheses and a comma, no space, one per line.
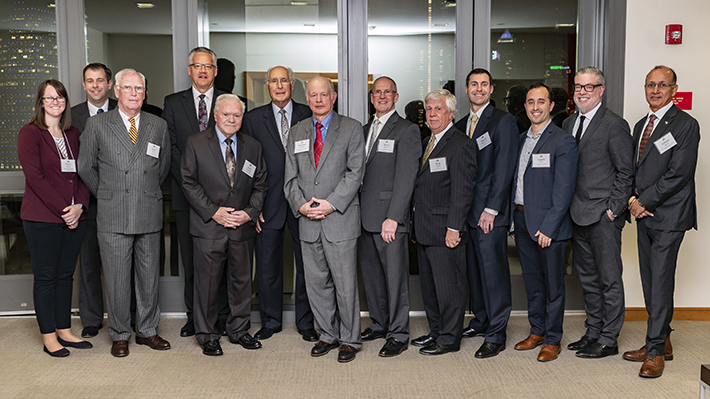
(124,159)
(393,149)
(598,210)
(324,169)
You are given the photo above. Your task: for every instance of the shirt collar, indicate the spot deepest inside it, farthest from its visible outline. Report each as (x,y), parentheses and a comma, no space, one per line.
(93,110)
(480,111)
(222,137)
(589,115)
(384,118)
(325,122)
(208,94)
(661,112)
(530,135)
(288,108)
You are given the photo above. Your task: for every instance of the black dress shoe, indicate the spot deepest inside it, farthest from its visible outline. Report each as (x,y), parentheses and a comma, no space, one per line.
(322,348)
(212,348)
(90,332)
(369,334)
(423,341)
(188,330)
(393,347)
(221,327)
(309,335)
(469,332)
(77,345)
(597,351)
(346,353)
(436,349)
(247,342)
(266,332)
(583,343)
(489,349)
(64,352)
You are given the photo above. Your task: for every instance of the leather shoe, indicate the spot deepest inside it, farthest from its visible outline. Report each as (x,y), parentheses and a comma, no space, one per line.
(322,348)
(188,330)
(531,342)
(154,342)
(309,335)
(489,349)
(583,343)
(64,352)
(548,353)
(247,342)
(436,349)
(90,332)
(652,366)
(469,332)
(423,341)
(346,353)
(369,334)
(77,345)
(597,351)
(393,347)
(221,327)
(266,332)
(639,355)
(119,348)
(212,348)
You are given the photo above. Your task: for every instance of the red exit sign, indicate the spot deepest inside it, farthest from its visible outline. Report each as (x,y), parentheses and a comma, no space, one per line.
(683,100)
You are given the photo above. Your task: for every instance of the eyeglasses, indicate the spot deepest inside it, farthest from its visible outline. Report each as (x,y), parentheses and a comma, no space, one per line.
(200,66)
(128,89)
(50,100)
(587,88)
(387,93)
(662,85)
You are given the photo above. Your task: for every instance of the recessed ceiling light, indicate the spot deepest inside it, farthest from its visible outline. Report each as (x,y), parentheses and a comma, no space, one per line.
(309,25)
(440,25)
(51,5)
(372,27)
(449,3)
(299,3)
(564,25)
(214,24)
(145,5)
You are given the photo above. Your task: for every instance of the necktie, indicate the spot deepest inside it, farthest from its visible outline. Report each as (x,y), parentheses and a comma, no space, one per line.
(99,111)
(133,132)
(284,127)
(472,125)
(429,149)
(231,164)
(578,135)
(646,135)
(203,113)
(318,145)
(373,136)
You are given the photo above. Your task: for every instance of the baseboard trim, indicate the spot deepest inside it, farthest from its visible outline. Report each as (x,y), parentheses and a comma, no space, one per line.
(694,314)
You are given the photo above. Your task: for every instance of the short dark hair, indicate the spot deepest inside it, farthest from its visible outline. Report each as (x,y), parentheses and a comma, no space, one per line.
(479,71)
(38,113)
(96,66)
(539,85)
(675,77)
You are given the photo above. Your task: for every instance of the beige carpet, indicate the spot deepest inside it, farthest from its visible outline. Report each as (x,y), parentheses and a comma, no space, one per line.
(283,368)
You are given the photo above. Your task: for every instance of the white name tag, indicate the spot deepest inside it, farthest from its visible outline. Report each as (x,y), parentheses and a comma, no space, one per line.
(68,165)
(385,146)
(153,150)
(483,141)
(301,146)
(249,168)
(540,160)
(437,165)
(665,143)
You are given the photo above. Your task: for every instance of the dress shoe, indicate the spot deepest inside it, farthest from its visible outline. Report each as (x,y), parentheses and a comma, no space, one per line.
(393,347)
(548,353)
(583,343)
(346,353)
(247,342)
(597,351)
(90,332)
(423,341)
(322,348)
(531,342)
(119,348)
(652,366)
(154,342)
(489,349)
(64,352)
(188,330)
(77,345)
(640,354)
(309,335)
(469,332)
(221,327)
(369,334)
(266,332)
(436,349)
(212,348)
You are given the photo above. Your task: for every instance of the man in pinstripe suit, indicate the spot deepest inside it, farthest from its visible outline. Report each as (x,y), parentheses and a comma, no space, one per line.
(125,156)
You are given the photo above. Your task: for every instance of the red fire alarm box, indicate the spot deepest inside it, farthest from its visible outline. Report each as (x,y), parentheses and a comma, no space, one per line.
(674,34)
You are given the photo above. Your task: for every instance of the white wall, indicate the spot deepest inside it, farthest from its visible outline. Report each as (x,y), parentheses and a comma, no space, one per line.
(645,48)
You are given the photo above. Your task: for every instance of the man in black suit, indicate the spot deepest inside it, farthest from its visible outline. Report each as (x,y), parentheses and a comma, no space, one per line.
(666,143)
(496,136)
(392,151)
(598,210)
(270,125)
(443,193)
(97,85)
(188,112)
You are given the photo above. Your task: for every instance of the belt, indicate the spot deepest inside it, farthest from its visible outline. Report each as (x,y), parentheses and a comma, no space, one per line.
(521,208)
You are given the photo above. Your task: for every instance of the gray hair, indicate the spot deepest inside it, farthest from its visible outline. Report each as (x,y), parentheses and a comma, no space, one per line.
(228,97)
(202,50)
(289,70)
(590,70)
(119,75)
(439,93)
(388,78)
(330,82)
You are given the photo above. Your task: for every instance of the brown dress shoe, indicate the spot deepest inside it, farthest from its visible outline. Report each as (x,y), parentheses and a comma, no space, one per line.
(531,342)
(119,348)
(639,355)
(154,342)
(548,352)
(652,366)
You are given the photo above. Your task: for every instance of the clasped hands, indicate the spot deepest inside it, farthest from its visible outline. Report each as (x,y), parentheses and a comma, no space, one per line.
(318,212)
(71,215)
(638,211)
(230,218)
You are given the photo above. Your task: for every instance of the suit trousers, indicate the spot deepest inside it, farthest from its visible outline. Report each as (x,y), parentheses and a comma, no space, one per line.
(331,281)
(91,297)
(597,257)
(543,275)
(489,282)
(385,276)
(118,253)
(216,260)
(442,274)
(658,256)
(54,248)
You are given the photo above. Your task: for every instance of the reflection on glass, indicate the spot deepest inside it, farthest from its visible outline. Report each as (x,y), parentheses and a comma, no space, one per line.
(14,251)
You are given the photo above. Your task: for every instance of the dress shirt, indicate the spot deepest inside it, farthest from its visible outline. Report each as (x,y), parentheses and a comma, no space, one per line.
(208,100)
(528,147)
(438,136)
(324,130)
(125,117)
(277,114)
(223,145)
(373,135)
(587,120)
(659,114)
(470,115)
(93,110)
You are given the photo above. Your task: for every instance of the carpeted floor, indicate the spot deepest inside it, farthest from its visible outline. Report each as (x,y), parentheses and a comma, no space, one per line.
(283,368)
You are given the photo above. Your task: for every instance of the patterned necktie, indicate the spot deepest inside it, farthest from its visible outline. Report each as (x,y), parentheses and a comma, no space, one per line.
(133,132)
(646,135)
(318,145)
(203,113)
(429,149)
(472,125)
(373,135)
(284,128)
(578,136)
(99,111)
(231,164)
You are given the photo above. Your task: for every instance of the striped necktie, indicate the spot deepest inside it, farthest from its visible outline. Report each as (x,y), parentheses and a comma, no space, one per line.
(429,149)
(472,125)
(133,132)
(646,135)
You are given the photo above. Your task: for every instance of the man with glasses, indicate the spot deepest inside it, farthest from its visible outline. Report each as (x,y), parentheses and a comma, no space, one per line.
(598,211)
(663,203)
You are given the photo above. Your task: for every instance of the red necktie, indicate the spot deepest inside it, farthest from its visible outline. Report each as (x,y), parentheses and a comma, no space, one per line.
(646,135)
(318,145)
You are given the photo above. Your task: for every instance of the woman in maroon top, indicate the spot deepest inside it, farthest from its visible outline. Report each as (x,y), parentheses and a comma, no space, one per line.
(52,212)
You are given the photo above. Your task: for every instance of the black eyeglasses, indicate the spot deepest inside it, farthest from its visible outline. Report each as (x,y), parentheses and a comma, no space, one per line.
(587,88)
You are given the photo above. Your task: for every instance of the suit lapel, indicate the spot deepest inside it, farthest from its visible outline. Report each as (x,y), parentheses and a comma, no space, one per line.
(213,143)
(144,129)
(482,125)
(540,142)
(272,126)
(385,132)
(437,149)
(660,130)
(188,104)
(331,136)
(119,131)
(592,128)
(49,139)
(240,156)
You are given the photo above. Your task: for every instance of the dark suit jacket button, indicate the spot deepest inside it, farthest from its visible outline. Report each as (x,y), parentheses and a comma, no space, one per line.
(316,183)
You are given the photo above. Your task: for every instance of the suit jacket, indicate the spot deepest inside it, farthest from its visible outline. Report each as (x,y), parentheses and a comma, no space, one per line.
(496,163)
(180,114)
(260,124)
(124,179)
(80,113)
(388,183)
(207,187)
(547,191)
(666,182)
(443,199)
(337,178)
(605,168)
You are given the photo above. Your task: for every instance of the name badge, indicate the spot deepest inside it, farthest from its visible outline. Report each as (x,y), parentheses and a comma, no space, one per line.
(437,165)
(665,143)
(483,141)
(249,168)
(68,165)
(385,146)
(540,160)
(301,146)
(153,150)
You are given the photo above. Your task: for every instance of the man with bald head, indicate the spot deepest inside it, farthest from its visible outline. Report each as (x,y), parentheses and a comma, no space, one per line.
(325,159)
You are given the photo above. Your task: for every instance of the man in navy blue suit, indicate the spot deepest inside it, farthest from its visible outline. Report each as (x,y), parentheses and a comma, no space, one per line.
(542,190)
